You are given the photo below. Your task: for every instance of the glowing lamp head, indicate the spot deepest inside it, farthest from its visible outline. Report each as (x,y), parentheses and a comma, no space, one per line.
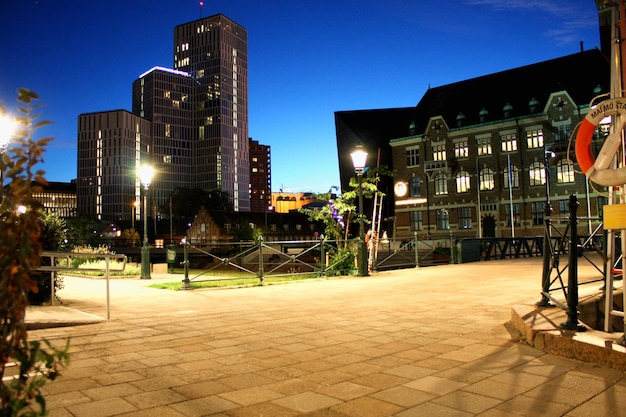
(145,175)
(8,129)
(359,157)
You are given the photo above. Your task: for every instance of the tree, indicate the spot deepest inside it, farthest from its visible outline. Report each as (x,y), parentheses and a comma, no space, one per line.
(339,212)
(20,256)
(186,202)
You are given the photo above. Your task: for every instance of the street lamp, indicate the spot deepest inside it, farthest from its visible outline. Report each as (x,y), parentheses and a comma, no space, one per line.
(145,177)
(8,129)
(359,157)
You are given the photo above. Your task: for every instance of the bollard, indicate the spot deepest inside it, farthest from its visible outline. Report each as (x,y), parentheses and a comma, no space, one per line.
(261,272)
(186,283)
(547,259)
(572,278)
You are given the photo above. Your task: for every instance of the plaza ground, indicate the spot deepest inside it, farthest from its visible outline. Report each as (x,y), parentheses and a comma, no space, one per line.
(439,341)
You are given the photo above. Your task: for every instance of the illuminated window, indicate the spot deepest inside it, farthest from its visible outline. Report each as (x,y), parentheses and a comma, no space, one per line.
(484,146)
(441,184)
(511,177)
(439,152)
(487,180)
(534,139)
(537,173)
(462,182)
(564,171)
(460,149)
(509,142)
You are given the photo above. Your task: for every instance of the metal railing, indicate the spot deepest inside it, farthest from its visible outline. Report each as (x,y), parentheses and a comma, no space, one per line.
(55,262)
(261,259)
(567,242)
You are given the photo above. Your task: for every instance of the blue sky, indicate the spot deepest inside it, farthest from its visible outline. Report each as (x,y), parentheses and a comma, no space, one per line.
(307,60)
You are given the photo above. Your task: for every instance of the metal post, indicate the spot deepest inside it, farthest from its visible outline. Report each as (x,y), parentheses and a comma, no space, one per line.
(572,279)
(261,272)
(416,248)
(145,249)
(322,257)
(362,250)
(547,257)
(186,283)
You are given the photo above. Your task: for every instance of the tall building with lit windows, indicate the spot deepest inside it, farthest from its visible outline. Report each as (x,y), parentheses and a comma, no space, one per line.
(164,96)
(189,122)
(214,52)
(111,145)
(482,157)
(260,177)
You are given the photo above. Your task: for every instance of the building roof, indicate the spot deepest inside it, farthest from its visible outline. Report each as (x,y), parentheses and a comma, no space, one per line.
(579,74)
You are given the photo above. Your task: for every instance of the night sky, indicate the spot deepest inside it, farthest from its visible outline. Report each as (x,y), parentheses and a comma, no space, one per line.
(307,60)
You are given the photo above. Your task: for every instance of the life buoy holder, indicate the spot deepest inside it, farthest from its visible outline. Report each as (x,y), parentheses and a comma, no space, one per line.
(597,169)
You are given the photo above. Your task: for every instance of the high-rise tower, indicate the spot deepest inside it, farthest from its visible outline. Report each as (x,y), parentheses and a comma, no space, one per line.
(214,51)
(164,96)
(190,123)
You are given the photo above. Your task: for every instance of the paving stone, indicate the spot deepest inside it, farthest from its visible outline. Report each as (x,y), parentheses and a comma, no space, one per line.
(306,402)
(348,347)
(102,408)
(467,401)
(403,396)
(367,407)
(249,396)
(435,385)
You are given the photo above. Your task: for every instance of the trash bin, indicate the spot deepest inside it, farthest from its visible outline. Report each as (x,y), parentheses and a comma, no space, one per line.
(467,250)
(170,257)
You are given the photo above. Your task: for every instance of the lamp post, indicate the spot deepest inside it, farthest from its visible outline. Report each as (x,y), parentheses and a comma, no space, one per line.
(136,204)
(359,156)
(145,177)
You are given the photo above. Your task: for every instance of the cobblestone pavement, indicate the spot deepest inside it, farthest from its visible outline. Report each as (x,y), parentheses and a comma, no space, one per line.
(419,342)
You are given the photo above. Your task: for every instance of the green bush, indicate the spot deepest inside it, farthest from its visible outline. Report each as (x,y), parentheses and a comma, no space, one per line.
(20,256)
(341,262)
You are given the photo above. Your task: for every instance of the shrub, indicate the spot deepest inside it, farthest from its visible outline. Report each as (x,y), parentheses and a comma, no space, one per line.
(20,256)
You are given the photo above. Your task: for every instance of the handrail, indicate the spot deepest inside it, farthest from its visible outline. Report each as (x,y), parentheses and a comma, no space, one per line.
(56,256)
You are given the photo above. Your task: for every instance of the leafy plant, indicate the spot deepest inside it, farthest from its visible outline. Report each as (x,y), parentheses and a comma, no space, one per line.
(20,256)
(53,238)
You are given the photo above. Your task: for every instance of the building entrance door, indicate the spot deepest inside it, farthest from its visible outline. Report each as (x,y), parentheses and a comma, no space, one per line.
(489,226)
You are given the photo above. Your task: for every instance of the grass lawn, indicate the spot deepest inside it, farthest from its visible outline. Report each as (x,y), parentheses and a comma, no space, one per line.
(229,279)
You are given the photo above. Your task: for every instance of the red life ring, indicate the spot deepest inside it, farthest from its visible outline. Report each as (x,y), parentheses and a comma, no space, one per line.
(597,169)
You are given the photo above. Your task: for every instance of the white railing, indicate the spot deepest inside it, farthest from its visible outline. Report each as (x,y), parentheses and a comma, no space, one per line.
(62,262)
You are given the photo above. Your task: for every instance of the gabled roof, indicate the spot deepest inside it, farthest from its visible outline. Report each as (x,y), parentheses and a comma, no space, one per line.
(578,74)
